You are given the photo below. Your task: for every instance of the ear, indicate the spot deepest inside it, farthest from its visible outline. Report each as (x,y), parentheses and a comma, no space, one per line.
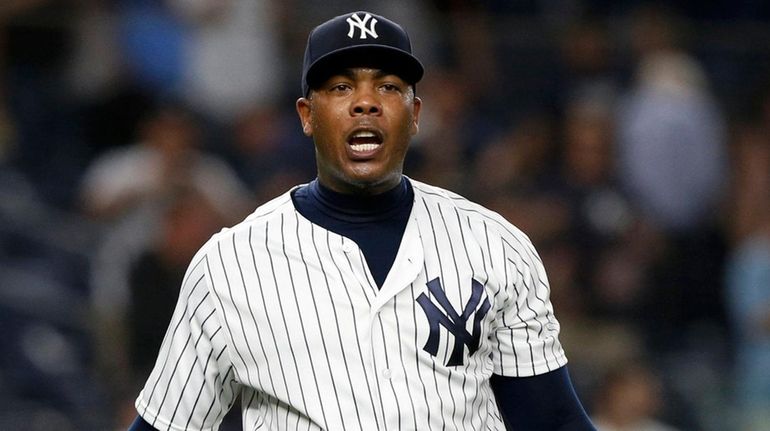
(416,116)
(304,111)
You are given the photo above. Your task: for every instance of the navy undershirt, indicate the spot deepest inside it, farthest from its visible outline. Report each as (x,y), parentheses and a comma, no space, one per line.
(375,223)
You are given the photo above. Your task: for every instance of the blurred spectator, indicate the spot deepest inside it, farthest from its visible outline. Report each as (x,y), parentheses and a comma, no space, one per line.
(672,143)
(747,280)
(108,80)
(672,157)
(511,174)
(232,57)
(269,152)
(36,40)
(601,216)
(672,148)
(588,66)
(439,149)
(594,342)
(629,399)
(525,154)
(152,42)
(165,157)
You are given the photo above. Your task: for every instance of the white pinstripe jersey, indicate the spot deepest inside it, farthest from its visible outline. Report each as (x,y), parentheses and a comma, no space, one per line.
(286,314)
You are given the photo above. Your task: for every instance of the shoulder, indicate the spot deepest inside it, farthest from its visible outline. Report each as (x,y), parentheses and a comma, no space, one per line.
(492,223)
(255,223)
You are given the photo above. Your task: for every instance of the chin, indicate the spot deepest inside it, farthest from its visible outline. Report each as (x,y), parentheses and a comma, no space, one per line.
(367,184)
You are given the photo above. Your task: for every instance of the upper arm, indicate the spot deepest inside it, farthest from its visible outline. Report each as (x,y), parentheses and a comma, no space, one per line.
(192,383)
(526,331)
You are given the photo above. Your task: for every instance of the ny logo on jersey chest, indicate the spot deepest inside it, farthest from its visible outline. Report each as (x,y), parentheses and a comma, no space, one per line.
(453,321)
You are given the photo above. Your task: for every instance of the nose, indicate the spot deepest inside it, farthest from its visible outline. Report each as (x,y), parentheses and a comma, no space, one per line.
(365,103)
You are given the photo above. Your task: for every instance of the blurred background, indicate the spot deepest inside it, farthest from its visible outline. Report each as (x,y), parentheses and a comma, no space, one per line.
(629,139)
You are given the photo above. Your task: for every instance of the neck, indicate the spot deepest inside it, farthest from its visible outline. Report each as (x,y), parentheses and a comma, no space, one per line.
(360,189)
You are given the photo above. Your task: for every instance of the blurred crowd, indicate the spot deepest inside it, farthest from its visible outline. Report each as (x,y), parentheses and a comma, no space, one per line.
(629,139)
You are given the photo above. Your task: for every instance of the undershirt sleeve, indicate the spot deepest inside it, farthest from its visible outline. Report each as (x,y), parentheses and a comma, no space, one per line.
(545,402)
(140,425)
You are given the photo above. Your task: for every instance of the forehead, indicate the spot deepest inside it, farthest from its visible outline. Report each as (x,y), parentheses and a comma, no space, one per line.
(364,72)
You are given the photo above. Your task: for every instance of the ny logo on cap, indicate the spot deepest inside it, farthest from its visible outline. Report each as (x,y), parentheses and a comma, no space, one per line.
(355,21)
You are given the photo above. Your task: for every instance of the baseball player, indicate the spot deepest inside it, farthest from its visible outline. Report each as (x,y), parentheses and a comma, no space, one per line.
(364,300)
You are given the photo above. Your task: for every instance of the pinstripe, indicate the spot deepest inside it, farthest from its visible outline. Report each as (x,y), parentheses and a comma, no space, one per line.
(179,401)
(302,326)
(417,357)
(529,283)
(339,334)
(541,284)
(320,327)
(376,380)
(168,340)
(253,317)
(403,365)
(200,391)
(269,323)
(435,378)
(200,336)
(217,377)
(470,264)
(223,410)
(258,332)
(237,312)
(283,317)
(248,307)
(499,290)
(390,380)
(460,295)
(171,377)
(518,316)
(355,328)
(355,274)
(441,272)
(248,404)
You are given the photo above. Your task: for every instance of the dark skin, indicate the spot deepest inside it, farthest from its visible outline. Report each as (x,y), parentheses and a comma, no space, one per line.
(361,120)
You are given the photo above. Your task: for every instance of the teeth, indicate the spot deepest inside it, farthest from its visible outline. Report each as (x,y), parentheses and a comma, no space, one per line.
(364,147)
(364,134)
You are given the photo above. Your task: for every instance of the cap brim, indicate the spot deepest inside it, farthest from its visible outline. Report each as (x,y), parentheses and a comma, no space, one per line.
(387,58)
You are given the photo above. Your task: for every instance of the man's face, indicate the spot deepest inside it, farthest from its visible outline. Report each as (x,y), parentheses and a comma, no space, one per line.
(361,121)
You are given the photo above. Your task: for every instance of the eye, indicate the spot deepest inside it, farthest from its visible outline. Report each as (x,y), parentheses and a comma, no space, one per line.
(390,87)
(339,87)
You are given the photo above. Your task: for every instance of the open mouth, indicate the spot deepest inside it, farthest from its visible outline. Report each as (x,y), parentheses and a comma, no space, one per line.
(364,141)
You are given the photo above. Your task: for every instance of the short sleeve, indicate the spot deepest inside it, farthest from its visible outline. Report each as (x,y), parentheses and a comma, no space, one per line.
(192,385)
(527,332)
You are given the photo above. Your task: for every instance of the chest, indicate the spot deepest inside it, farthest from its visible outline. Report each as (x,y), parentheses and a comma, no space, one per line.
(303,292)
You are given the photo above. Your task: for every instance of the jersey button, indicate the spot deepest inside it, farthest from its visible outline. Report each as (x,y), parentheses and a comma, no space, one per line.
(387,374)
(347,247)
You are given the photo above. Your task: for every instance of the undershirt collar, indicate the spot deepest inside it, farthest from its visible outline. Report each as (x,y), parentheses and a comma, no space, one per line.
(361,208)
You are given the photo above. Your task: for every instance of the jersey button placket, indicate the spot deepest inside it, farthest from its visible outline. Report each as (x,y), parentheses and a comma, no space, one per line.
(386,374)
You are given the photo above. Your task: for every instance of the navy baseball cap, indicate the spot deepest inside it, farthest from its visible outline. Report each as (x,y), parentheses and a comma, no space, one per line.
(358,39)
